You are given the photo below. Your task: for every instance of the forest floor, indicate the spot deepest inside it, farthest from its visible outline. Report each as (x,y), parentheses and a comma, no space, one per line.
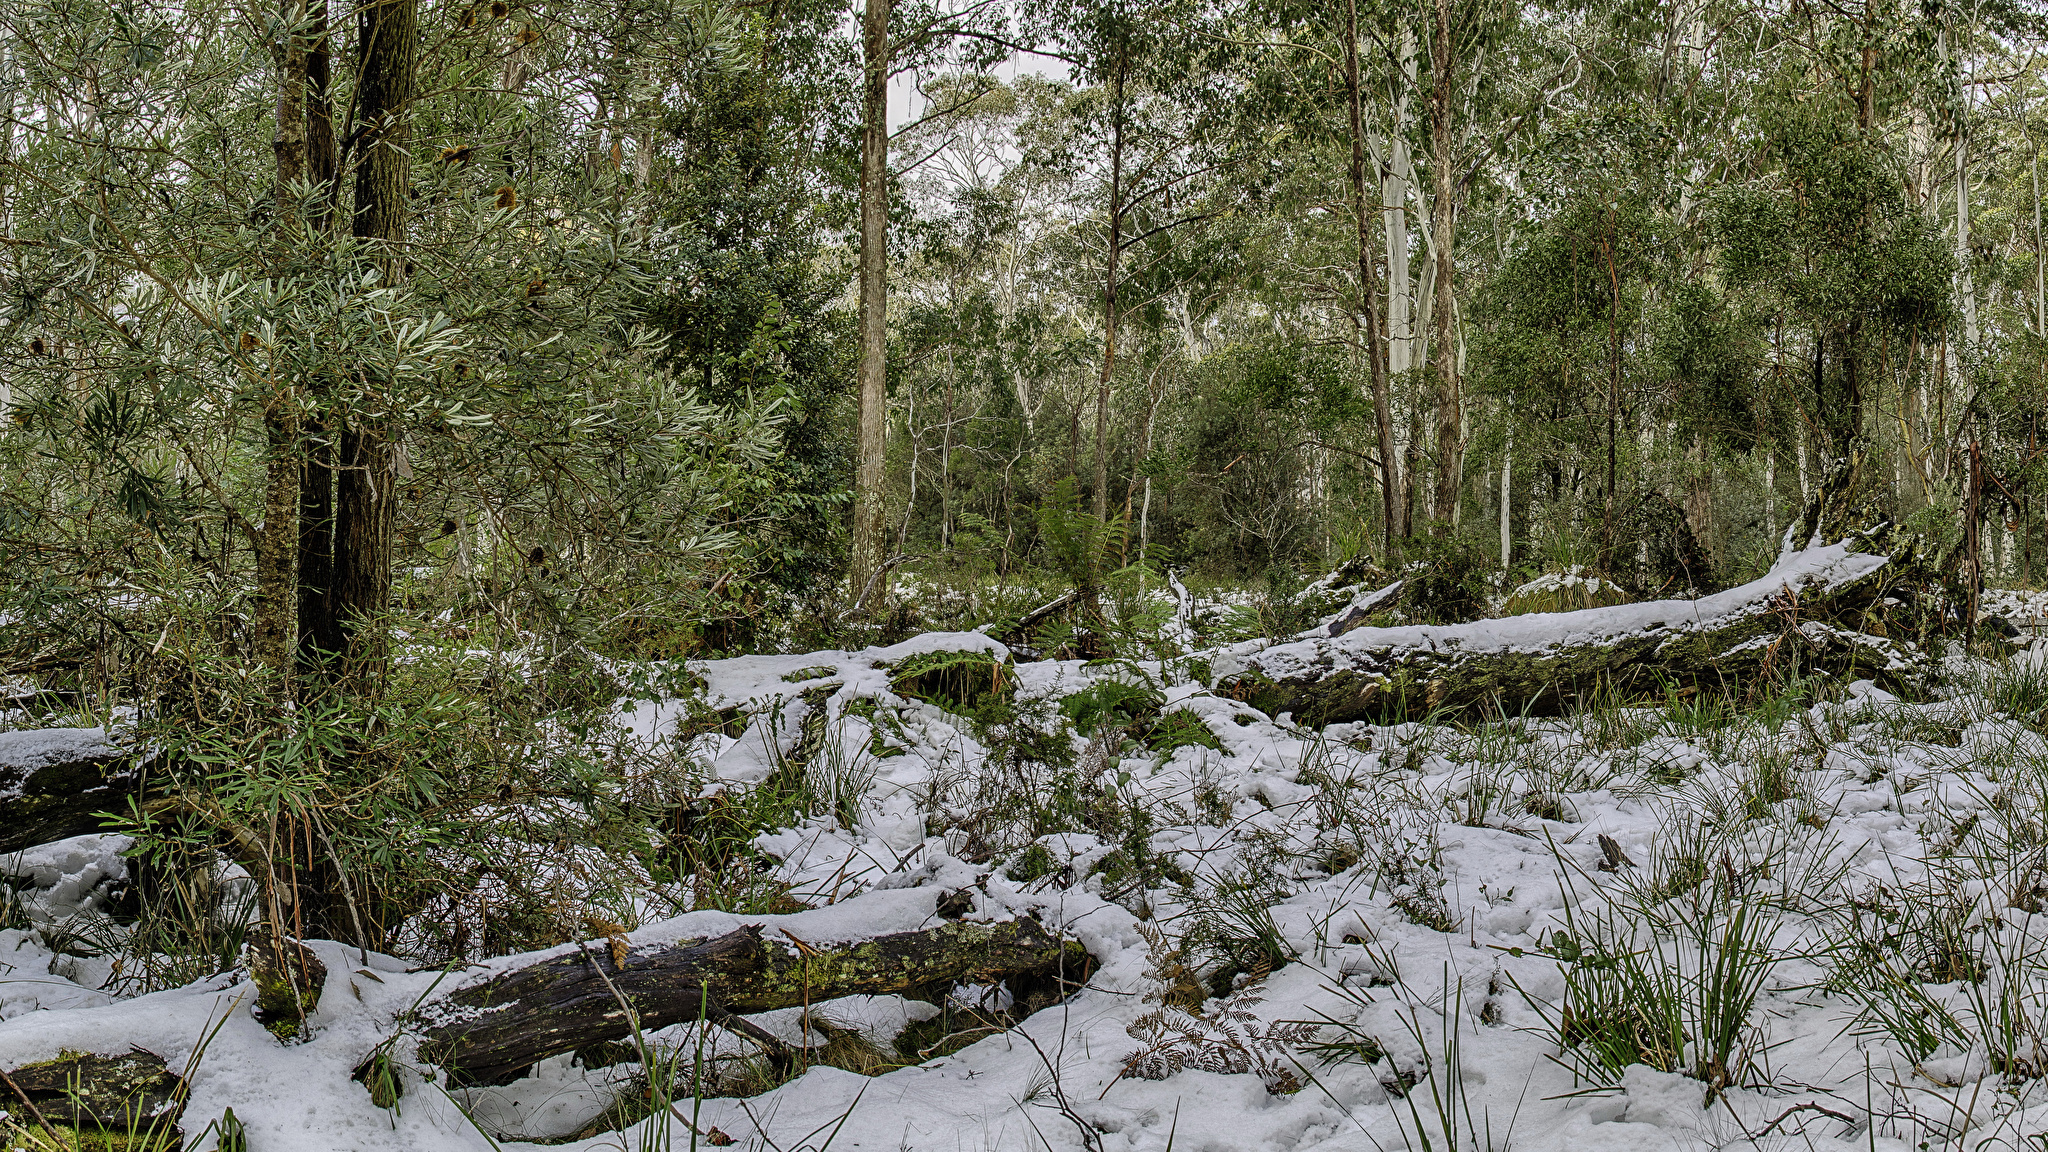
(1810,919)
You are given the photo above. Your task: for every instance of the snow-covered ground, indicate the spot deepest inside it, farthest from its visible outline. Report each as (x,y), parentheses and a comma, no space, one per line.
(2021,607)
(1440,899)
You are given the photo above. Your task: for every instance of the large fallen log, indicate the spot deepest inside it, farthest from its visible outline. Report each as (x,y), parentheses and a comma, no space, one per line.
(55,781)
(493,1030)
(1860,608)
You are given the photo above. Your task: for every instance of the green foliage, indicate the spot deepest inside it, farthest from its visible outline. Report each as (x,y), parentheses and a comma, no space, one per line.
(1110,702)
(1081,548)
(1446,581)
(1837,243)
(1180,730)
(1673,990)
(1238,469)
(968,683)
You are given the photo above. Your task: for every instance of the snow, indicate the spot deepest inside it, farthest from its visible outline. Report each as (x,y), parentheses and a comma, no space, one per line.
(24,753)
(2024,608)
(1818,568)
(1414,872)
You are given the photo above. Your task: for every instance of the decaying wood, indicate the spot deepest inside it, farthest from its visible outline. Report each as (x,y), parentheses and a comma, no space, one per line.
(130,1102)
(491,1031)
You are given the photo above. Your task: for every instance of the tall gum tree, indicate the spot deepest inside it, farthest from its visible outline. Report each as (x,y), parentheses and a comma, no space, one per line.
(870,532)
(1158,142)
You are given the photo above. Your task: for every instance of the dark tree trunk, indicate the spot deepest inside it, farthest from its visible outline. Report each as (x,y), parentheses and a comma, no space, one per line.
(366,492)
(319,631)
(319,635)
(277,545)
(323,158)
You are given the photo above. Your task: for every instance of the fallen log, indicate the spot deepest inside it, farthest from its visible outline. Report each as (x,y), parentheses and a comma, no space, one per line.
(493,1030)
(130,1102)
(55,781)
(1860,608)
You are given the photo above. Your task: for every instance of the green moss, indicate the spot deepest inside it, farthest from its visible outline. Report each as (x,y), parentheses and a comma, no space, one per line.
(126,1103)
(33,1139)
(276,1006)
(288,983)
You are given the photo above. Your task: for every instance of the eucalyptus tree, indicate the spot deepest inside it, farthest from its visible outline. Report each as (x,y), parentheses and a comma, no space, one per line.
(1320,59)
(895,40)
(1157,137)
(1826,238)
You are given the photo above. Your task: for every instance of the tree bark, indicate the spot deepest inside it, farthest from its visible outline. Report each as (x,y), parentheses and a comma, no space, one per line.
(1112,261)
(366,492)
(1611,480)
(1368,287)
(277,545)
(54,784)
(492,1031)
(869,531)
(130,1101)
(319,635)
(1449,404)
(2040,256)
(1507,487)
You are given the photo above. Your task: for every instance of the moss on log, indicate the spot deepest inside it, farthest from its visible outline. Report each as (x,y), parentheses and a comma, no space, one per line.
(126,1103)
(493,1030)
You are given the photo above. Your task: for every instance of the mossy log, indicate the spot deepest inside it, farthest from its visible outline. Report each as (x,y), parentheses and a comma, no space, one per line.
(129,1103)
(493,1030)
(1865,608)
(55,782)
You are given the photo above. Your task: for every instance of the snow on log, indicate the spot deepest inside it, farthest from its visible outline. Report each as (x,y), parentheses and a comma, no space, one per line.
(1850,608)
(53,781)
(492,1029)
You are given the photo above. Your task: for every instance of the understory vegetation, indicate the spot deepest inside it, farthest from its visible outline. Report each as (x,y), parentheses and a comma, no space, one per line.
(1718,887)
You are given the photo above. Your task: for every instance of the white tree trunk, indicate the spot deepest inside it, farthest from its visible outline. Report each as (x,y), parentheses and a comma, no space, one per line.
(1771,491)
(1406,332)
(1507,487)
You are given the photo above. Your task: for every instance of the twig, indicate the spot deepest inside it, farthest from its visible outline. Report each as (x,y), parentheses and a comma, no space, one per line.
(1797,1108)
(861,600)
(348,890)
(1090,1139)
(56,1141)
